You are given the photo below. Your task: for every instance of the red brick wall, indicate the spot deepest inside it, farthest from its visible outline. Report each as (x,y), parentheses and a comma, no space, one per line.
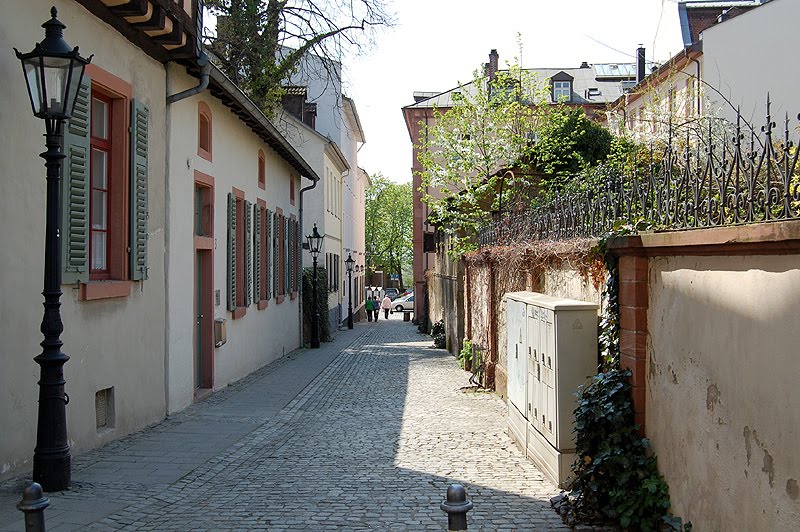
(633,327)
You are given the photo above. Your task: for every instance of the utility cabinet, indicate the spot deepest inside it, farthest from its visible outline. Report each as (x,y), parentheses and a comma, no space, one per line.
(552,350)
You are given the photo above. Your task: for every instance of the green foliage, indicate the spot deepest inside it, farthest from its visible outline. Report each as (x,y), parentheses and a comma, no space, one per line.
(321,304)
(487,129)
(259,44)
(465,356)
(794,182)
(567,143)
(609,321)
(615,478)
(389,213)
(438,334)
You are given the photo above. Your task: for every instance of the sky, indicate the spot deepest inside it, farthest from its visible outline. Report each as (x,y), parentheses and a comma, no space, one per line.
(438,43)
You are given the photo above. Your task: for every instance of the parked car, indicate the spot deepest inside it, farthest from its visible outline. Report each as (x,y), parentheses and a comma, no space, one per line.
(404,303)
(393,293)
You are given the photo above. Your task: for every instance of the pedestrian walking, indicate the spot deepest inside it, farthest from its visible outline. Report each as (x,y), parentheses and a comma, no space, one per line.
(369,306)
(386,305)
(376,306)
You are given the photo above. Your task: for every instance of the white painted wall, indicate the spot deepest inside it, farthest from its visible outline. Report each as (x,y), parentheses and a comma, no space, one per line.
(260,336)
(322,204)
(114,342)
(752,54)
(332,122)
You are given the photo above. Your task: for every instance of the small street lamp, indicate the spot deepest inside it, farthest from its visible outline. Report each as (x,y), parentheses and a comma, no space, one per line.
(314,245)
(53,73)
(349,265)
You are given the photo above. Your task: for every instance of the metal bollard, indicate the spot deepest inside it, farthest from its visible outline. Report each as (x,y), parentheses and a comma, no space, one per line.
(456,507)
(33,504)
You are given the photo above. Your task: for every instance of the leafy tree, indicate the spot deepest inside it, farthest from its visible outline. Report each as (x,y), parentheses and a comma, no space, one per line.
(259,44)
(567,144)
(389,215)
(463,153)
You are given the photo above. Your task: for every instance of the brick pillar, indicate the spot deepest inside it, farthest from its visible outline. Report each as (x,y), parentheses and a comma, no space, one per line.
(633,328)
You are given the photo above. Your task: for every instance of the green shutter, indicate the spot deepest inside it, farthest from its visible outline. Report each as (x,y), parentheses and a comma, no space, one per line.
(275,253)
(231,252)
(285,245)
(138,193)
(267,251)
(258,252)
(248,254)
(75,190)
(288,270)
(297,255)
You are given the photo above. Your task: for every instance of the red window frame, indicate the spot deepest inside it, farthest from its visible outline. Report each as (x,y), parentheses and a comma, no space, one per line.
(204,131)
(104,145)
(262,170)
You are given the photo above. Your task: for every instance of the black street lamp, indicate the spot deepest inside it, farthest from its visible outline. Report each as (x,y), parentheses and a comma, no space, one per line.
(53,73)
(349,265)
(314,245)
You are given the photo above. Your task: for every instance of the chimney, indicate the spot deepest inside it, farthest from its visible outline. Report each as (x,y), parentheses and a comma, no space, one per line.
(640,70)
(585,65)
(492,65)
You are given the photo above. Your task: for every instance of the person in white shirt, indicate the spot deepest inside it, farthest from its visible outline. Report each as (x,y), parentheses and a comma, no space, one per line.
(386,305)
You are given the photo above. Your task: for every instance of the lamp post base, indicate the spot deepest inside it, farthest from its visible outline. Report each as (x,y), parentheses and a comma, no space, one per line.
(52,471)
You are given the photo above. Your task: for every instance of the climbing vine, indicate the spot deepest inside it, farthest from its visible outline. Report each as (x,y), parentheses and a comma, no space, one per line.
(616,478)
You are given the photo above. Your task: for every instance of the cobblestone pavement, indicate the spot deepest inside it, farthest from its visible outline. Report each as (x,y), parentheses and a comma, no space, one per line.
(370,443)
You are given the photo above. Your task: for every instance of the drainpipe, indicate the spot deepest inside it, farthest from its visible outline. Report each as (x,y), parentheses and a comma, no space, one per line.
(300,254)
(205,70)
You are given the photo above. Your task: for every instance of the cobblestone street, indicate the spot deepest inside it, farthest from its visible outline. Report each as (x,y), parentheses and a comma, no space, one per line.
(363,434)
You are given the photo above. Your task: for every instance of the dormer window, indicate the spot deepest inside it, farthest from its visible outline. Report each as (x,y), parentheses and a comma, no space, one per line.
(562,90)
(561,85)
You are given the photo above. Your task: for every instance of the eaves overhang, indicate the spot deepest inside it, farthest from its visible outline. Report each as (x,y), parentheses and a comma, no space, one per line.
(677,61)
(234,99)
(160,28)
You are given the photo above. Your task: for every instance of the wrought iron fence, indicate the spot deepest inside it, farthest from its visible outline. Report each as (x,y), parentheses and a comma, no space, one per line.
(703,183)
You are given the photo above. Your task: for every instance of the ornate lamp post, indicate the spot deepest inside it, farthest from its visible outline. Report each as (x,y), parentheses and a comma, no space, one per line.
(314,245)
(349,265)
(53,73)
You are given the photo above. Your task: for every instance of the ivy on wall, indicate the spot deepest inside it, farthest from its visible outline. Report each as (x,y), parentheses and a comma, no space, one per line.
(616,478)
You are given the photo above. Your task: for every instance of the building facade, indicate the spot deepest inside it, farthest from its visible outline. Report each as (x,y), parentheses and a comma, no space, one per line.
(180,234)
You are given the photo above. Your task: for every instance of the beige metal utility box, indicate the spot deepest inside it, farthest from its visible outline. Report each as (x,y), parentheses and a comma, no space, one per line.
(552,349)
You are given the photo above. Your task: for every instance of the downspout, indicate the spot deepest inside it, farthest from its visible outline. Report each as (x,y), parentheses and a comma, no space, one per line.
(344,175)
(300,254)
(205,70)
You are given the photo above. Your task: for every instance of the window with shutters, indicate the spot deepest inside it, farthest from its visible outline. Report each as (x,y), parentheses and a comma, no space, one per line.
(239,275)
(104,188)
(261,252)
(280,256)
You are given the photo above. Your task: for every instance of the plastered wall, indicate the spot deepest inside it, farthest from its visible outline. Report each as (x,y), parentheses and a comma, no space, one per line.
(260,336)
(117,342)
(723,412)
